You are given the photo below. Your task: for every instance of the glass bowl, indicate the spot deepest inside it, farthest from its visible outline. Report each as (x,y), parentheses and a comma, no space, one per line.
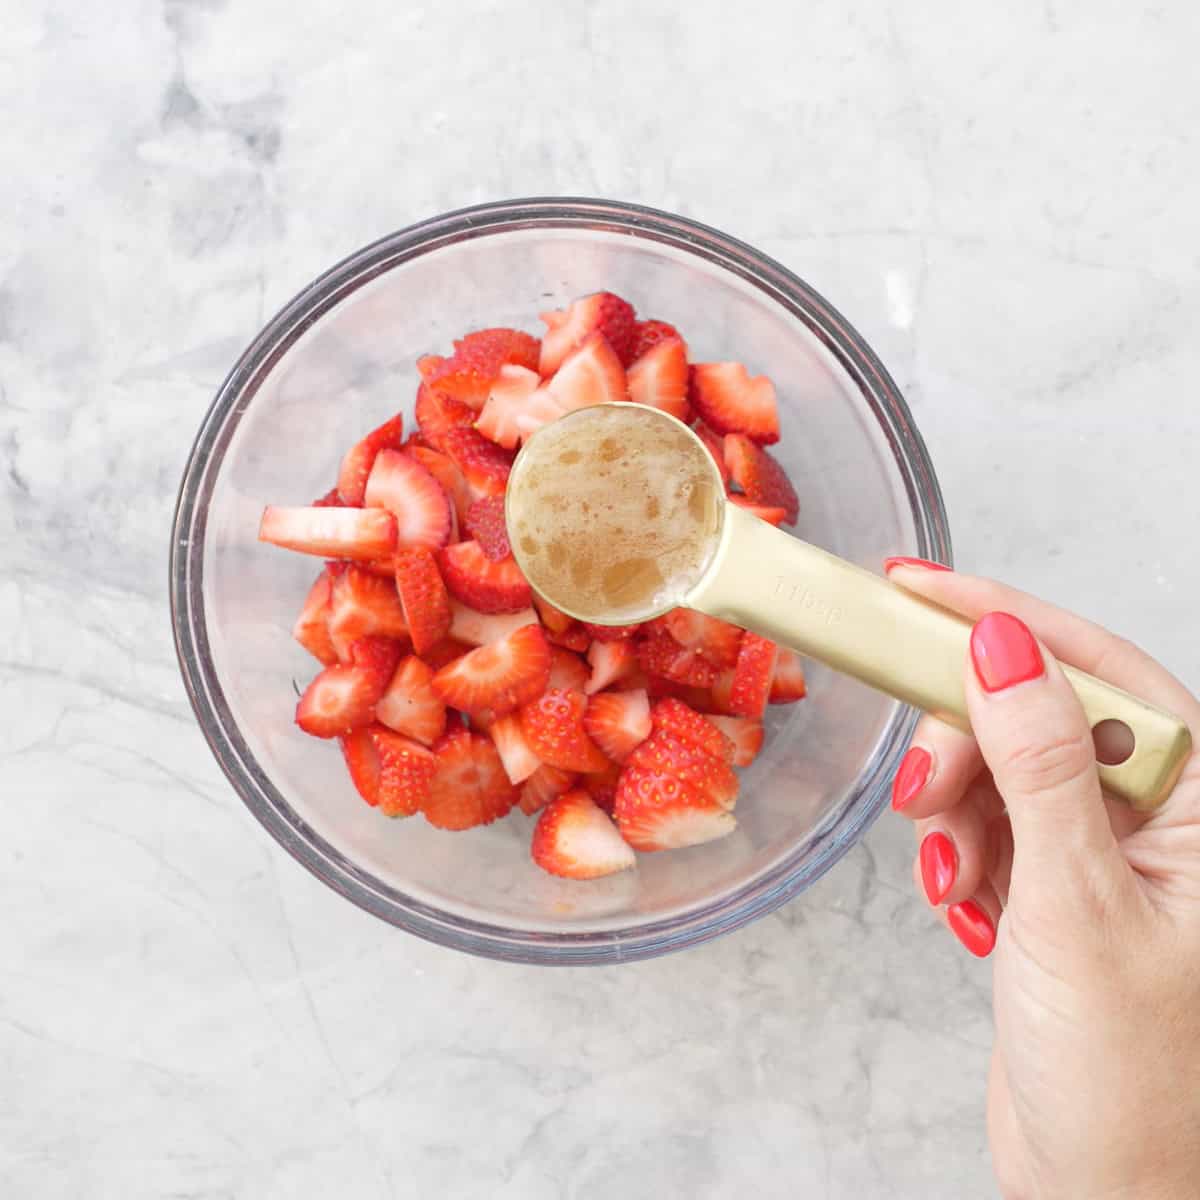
(338,360)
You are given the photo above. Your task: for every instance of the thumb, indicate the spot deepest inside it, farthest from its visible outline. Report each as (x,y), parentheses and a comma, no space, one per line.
(1036,740)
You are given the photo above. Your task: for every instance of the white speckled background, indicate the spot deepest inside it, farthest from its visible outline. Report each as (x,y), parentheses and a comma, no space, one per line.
(1003,199)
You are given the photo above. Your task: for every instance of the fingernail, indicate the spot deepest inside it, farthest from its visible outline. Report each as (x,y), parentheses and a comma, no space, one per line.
(1004,652)
(904,561)
(973,927)
(939,866)
(911,777)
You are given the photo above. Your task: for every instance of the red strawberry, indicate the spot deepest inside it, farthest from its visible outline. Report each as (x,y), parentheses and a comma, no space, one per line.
(591,374)
(567,670)
(758,475)
(574,637)
(611,633)
(656,811)
(773,515)
(342,698)
(448,650)
(576,840)
(470,786)
(542,786)
(410,705)
(715,444)
(356,533)
(658,687)
(438,414)
(423,596)
(659,379)
(717,641)
(479,583)
(722,690)
(618,722)
(411,494)
(481,629)
(331,499)
(500,677)
(677,719)
(730,401)
(468,374)
(553,726)
(363,763)
(428,364)
(745,734)
(515,407)
(569,328)
(484,465)
(406,772)
(673,756)
(485,523)
(554,621)
(448,475)
(362,604)
(648,334)
(610,661)
(519,760)
(312,625)
(752,676)
(360,458)
(661,654)
(501,346)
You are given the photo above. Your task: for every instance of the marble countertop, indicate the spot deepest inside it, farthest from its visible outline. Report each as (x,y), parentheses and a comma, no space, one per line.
(1003,200)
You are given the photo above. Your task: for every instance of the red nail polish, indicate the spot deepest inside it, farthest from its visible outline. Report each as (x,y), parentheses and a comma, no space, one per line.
(911,776)
(1004,652)
(973,927)
(904,561)
(939,866)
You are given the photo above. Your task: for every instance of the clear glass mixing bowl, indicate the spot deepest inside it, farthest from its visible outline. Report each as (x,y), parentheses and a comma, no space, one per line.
(339,359)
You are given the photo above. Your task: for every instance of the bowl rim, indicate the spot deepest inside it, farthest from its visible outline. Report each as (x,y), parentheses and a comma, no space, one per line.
(767,891)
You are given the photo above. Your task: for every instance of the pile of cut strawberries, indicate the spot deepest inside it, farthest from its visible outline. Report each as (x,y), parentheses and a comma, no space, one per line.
(457,693)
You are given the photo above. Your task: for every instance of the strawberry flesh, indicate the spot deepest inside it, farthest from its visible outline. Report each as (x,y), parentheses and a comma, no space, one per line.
(575,839)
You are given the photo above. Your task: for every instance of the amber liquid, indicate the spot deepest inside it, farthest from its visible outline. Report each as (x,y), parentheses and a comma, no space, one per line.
(614,512)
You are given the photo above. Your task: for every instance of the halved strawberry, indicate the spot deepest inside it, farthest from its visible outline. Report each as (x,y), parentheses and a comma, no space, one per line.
(484,465)
(470,787)
(553,726)
(677,719)
(406,772)
(410,493)
(611,633)
(311,629)
(360,458)
(509,739)
(542,786)
(673,756)
(356,533)
(576,840)
(659,379)
(481,629)
(717,640)
(485,523)
(714,443)
(591,374)
(745,734)
(331,499)
(410,705)
(657,811)
(648,334)
(661,654)
(479,583)
(610,661)
(772,514)
(758,475)
(342,698)
(618,722)
(468,374)
(423,596)
(363,763)
(567,670)
(787,684)
(569,328)
(730,401)
(362,604)
(515,407)
(500,677)
(438,414)
(574,637)
(752,676)
(554,621)
(448,475)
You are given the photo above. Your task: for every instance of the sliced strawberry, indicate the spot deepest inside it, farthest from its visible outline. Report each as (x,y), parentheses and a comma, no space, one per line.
(423,596)
(787,684)
(567,670)
(745,734)
(773,515)
(360,458)
(509,739)
(677,719)
(648,334)
(656,811)
(730,401)
(448,650)
(438,414)
(717,641)
(554,621)
(485,523)
(481,629)
(611,633)
(484,465)
(312,625)
(722,691)
(673,756)
(479,583)
(602,786)
(406,772)
(574,637)
(591,374)
(553,726)
(362,604)
(610,661)
(448,475)
(500,677)
(410,705)
(342,698)
(331,499)
(500,346)
(428,364)
(752,676)
(758,475)
(569,328)
(618,722)
(659,653)
(542,786)
(410,493)
(715,444)
(468,374)
(356,533)
(576,840)
(659,379)
(515,407)
(470,787)
(363,763)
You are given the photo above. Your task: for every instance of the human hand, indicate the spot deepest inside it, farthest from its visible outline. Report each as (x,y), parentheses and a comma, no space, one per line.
(1092,908)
